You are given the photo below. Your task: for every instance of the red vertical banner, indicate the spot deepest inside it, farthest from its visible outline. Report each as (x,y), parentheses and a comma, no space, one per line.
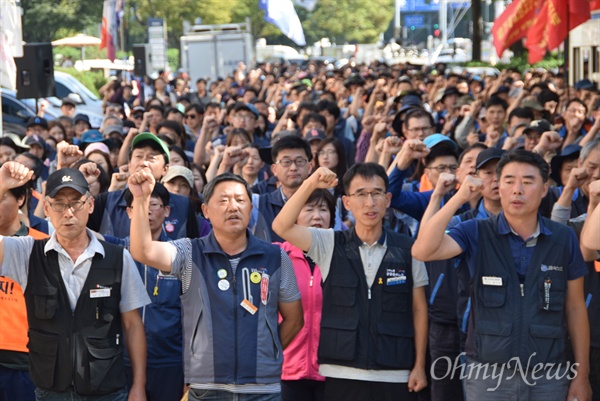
(537,37)
(564,16)
(513,24)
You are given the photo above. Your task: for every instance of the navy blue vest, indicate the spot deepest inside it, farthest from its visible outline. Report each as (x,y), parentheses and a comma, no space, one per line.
(84,347)
(506,322)
(368,328)
(224,342)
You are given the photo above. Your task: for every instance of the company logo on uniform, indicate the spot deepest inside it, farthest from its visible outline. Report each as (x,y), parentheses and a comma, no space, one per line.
(551,268)
(67,178)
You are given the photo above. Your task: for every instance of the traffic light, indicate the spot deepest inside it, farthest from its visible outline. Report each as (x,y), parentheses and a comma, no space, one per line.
(412,28)
(435,26)
(436,33)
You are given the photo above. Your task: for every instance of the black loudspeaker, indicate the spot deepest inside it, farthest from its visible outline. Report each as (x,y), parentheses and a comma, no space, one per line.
(141,60)
(35,72)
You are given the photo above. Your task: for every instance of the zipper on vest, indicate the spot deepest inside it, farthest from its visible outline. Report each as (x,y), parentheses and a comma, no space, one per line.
(235,330)
(117,339)
(369,293)
(311,281)
(522,289)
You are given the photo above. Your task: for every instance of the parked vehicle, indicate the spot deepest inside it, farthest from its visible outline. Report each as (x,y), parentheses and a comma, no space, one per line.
(16,112)
(86,101)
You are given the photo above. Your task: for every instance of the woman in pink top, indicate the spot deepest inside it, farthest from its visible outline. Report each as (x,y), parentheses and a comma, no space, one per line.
(300,379)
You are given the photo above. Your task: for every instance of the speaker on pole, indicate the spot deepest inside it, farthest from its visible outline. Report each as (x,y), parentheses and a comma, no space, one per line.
(142,61)
(35,72)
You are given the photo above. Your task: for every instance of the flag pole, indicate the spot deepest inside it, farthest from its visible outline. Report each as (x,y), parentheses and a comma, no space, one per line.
(566,53)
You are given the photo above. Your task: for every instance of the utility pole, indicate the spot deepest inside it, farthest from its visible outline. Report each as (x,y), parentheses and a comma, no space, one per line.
(476,22)
(397,30)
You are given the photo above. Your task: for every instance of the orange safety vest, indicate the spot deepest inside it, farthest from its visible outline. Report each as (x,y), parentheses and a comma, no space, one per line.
(13,313)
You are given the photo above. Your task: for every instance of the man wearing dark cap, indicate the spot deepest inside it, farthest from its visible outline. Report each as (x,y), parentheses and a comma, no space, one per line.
(533,133)
(81,123)
(314,138)
(67,107)
(245,116)
(37,126)
(82,297)
(110,215)
(449,99)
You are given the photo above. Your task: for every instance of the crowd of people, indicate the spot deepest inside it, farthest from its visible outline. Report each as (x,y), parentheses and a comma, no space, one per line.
(303,233)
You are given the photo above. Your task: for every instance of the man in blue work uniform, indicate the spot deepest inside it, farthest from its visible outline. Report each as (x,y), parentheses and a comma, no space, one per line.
(233,288)
(526,288)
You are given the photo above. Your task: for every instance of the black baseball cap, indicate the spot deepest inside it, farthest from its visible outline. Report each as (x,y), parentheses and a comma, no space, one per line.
(66,178)
(37,121)
(487,155)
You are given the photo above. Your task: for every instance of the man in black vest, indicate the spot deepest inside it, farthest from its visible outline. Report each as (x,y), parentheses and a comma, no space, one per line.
(526,288)
(374,322)
(81,295)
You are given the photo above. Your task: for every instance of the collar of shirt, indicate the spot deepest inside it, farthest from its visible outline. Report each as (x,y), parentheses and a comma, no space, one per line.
(381,241)
(504,229)
(282,195)
(93,247)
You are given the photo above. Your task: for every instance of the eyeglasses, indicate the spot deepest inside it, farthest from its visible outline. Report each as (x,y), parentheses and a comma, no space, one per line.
(442,167)
(155,206)
(362,196)
(192,116)
(326,152)
(299,162)
(60,207)
(416,130)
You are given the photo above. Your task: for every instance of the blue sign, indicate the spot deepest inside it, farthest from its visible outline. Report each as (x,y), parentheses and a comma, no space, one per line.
(420,6)
(416,20)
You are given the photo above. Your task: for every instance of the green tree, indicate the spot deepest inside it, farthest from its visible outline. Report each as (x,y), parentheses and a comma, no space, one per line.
(359,21)
(44,20)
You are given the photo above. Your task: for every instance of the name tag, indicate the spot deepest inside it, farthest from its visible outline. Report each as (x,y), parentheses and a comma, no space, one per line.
(396,280)
(490,280)
(100,293)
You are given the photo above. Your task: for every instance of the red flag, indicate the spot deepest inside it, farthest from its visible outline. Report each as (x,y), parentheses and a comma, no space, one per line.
(536,42)
(564,16)
(108,34)
(513,24)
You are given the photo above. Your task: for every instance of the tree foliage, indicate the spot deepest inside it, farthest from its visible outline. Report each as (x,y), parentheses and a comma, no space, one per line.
(356,21)
(44,20)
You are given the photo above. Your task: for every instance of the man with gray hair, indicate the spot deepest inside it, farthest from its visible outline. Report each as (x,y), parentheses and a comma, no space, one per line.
(572,200)
(82,295)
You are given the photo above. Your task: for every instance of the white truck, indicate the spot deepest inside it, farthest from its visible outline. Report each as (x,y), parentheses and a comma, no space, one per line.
(211,51)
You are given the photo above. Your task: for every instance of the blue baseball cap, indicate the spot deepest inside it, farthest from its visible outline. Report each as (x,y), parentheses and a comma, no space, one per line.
(435,139)
(91,136)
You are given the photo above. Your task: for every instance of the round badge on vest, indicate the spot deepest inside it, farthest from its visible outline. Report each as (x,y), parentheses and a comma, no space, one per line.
(169,227)
(221,273)
(223,285)
(255,277)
